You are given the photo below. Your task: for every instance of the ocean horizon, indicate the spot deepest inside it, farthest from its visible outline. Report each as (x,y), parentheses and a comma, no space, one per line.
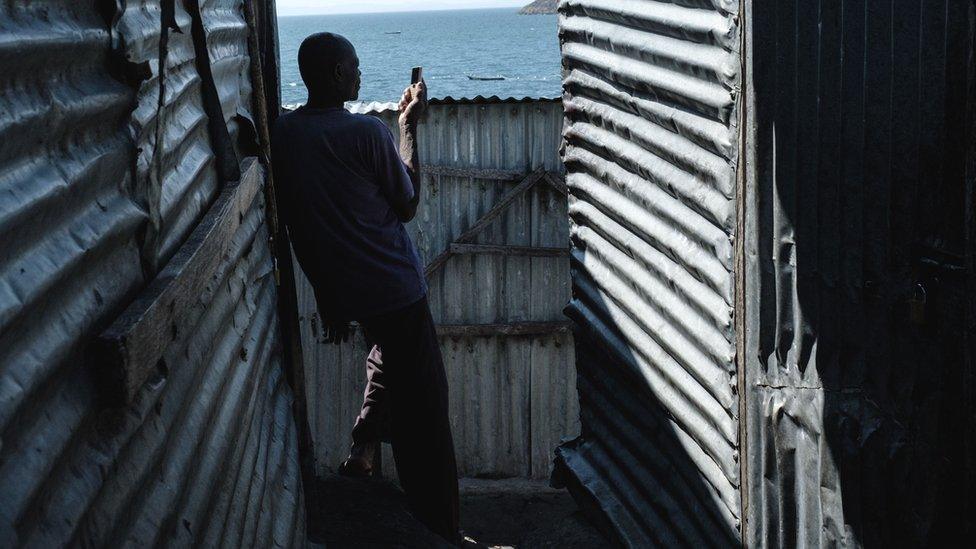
(518,53)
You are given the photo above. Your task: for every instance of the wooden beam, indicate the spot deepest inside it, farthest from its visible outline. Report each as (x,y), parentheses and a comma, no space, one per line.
(504,329)
(262,41)
(558,182)
(476,173)
(499,208)
(130,350)
(469,235)
(530,251)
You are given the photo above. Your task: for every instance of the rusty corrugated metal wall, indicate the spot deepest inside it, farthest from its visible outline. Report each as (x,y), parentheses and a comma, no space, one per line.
(111,153)
(855,279)
(512,397)
(651,99)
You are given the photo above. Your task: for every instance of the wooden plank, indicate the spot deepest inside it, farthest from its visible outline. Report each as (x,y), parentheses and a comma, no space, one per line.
(131,349)
(558,182)
(262,43)
(482,223)
(493,249)
(266,79)
(489,386)
(506,329)
(476,173)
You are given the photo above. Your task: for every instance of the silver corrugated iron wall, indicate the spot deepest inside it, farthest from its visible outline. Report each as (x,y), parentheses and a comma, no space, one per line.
(90,209)
(176,174)
(512,396)
(651,93)
(182,154)
(226,30)
(857,148)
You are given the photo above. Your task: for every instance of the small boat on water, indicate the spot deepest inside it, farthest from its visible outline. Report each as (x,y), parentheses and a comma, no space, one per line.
(485,78)
(394,32)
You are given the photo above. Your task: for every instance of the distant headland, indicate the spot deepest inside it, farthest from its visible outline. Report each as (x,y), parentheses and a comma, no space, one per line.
(540,7)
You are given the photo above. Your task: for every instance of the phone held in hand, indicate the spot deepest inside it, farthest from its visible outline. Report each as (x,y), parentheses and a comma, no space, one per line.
(416,75)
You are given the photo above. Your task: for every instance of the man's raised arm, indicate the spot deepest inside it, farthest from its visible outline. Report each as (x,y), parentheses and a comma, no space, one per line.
(412,106)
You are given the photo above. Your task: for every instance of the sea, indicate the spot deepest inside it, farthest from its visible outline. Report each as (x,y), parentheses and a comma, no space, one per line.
(451,46)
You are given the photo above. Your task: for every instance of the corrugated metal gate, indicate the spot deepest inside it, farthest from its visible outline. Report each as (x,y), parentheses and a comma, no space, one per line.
(128,208)
(492,229)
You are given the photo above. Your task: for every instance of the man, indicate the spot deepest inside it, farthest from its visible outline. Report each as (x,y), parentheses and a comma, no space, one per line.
(345,194)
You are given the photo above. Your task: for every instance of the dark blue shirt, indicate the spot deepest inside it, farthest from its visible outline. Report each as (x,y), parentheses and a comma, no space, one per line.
(339,176)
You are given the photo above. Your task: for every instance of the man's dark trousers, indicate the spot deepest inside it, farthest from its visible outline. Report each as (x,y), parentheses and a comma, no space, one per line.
(407,387)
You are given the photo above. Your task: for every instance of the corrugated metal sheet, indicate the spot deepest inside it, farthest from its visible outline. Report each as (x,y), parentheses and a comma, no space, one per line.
(854,235)
(69,251)
(176,173)
(227,31)
(206,454)
(651,99)
(377,107)
(512,398)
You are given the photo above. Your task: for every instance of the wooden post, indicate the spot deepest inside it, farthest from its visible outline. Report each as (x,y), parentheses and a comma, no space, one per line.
(284,268)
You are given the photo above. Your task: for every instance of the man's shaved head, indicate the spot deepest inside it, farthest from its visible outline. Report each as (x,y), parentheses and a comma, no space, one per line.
(329,66)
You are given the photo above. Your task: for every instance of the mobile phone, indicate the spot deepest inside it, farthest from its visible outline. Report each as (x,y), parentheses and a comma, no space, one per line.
(416,75)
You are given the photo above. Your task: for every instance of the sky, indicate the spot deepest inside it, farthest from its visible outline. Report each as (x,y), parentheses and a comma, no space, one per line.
(316,7)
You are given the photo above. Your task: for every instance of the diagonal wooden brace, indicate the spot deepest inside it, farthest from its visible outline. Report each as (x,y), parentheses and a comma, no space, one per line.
(482,223)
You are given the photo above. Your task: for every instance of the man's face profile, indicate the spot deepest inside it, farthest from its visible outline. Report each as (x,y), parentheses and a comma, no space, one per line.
(352,75)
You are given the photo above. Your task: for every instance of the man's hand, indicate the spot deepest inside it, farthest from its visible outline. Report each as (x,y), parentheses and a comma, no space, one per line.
(413,103)
(412,106)
(335,332)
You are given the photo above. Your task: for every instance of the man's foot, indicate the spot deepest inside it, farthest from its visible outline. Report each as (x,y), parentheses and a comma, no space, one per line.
(359,464)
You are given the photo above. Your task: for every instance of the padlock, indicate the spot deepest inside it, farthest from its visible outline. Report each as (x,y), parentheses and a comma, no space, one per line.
(916,305)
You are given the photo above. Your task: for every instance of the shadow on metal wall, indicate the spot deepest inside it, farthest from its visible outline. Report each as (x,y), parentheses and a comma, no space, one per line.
(631,454)
(652,149)
(861,144)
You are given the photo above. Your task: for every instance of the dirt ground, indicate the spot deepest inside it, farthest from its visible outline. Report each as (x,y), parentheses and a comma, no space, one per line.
(494,513)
